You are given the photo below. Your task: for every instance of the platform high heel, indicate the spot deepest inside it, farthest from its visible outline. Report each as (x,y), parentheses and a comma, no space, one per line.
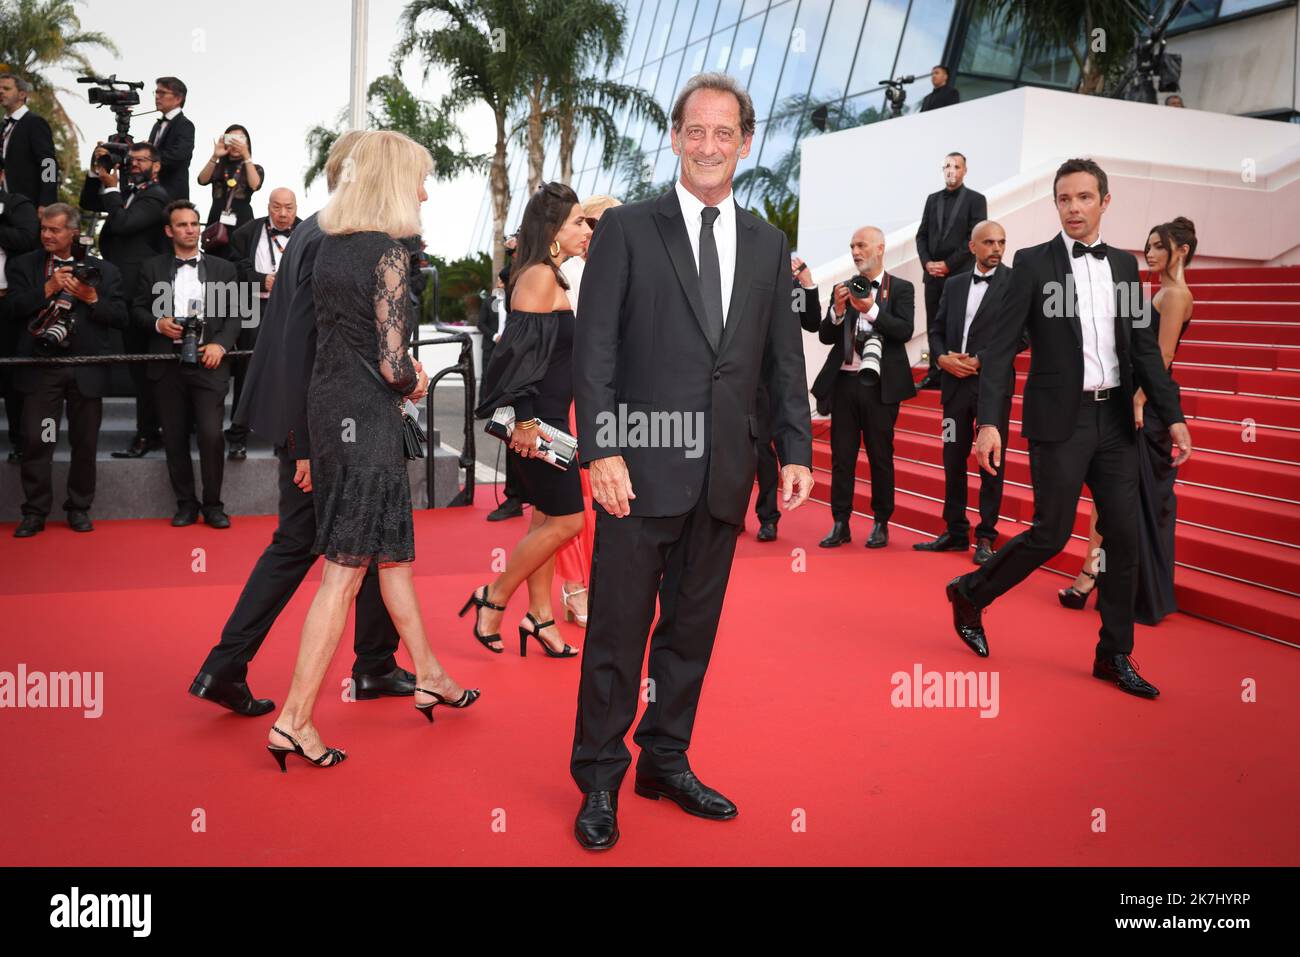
(475,600)
(467,698)
(524,635)
(331,757)
(1073,598)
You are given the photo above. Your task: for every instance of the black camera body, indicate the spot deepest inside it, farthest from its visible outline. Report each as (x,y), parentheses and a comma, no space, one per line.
(191,333)
(53,325)
(119,96)
(859,286)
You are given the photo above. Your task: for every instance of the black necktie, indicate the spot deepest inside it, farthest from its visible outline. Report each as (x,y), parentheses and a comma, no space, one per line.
(977,278)
(710,275)
(187,262)
(1096,252)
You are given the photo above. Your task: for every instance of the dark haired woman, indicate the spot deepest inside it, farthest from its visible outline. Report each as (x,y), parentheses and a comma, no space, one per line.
(229,169)
(1169,250)
(532,370)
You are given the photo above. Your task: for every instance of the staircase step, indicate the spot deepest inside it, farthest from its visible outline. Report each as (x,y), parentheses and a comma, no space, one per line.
(1288,312)
(1244,292)
(1244,332)
(1240,274)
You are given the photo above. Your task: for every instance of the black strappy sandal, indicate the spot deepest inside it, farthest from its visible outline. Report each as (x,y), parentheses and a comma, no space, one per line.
(1073,598)
(467,698)
(524,634)
(331,757)
(484,640)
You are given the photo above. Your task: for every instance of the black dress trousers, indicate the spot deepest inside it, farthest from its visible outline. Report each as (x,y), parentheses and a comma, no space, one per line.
(858,417)
(959,414)
(188,395)
(43,405)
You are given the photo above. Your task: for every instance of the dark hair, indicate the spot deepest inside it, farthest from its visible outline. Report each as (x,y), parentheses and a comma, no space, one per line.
(176,204)
(144,146)
(1179,231)
(955,153)
(543,217)
(723,83)
(243,129)
(173,84)
(940,66)
(1082,166)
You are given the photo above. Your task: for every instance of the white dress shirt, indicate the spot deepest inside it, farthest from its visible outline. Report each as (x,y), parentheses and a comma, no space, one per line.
(865,320)
(973,300)
(16,115)
(1095,288)
(166,122)
(185,288)
(266,259)
(571,269)
(724,235)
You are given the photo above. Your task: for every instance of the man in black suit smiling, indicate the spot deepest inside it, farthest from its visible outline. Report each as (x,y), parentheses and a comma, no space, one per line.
(685,297)
(1092,346)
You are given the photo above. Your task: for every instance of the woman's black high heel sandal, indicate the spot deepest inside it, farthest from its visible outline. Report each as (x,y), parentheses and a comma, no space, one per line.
(474,600)
(466,699)
(524,634)
(331,757)
(1073,598)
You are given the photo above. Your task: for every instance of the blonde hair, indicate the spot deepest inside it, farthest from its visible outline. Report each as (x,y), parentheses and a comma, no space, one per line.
(338,153)
(598,204)
(379,187)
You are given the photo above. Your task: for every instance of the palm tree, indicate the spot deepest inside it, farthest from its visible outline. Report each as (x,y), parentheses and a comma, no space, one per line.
(35,37)
(784,215)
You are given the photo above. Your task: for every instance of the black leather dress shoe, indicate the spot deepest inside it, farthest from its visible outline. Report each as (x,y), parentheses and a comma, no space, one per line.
(930,380)
(839,535)
(879,536)
(767,532)
(216,518)
(140,446)
(966,620)
(510,508)
(947,542)
(397,683)
(29,526)
(597,825)
(689,793)
(185,516)
(79,521)
(238,452)
(1119,669)
(983,551)
(232,695)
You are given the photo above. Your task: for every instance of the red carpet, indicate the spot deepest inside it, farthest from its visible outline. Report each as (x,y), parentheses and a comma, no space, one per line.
(796,723)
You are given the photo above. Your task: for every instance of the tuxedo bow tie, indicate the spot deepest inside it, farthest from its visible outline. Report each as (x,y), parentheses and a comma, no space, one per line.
(976,278)
(57,263)
(187,262)
(1096,252)
(279,232)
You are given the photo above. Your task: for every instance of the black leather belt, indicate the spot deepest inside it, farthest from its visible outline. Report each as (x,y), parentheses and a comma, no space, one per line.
(1100,395)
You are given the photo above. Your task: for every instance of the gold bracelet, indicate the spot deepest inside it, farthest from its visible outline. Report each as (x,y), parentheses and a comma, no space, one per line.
(526,424)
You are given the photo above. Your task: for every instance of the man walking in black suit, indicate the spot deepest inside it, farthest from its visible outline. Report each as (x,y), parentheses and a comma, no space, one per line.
(943,241)
(943,94)
(1092,346)
(274,404)
(970,307)
(864,379)
(20,232)
(173,135)
(684,298)
(30,166)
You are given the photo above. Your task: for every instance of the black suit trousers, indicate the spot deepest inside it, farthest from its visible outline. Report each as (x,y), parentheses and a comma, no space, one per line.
(959,414)
(55,386)
(186,396)
(769,480)
(858,417)
(1102,452)
(275,578)
(136,342)
(684,561)
(933,290)
(239,371)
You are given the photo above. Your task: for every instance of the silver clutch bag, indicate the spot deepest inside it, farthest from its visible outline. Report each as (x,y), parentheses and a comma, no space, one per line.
(557,447)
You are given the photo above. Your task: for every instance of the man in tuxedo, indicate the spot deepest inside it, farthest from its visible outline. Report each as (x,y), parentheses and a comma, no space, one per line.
(1092,346)
(806,305)
(971,306)
(180,285)
(256,248)
(20,232)
(29,165)
(863,381)
(685,297)
(943,241)
(173,135)
(41,283)
(132,233)
(943,94)
(274,404)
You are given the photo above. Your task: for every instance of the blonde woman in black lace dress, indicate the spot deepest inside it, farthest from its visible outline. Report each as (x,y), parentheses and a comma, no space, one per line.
(364,319)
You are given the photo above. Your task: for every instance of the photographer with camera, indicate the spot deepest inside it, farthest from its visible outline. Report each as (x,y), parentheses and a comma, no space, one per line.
(234,178)
(190,304)
(66,302)
(30,166)
(173,136)
(865,378)
(132,233)
(20,232)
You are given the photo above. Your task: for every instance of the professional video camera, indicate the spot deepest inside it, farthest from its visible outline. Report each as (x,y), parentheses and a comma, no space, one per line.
(52,326)
(119,96)
(895,93)
(191,332)
(1153,67)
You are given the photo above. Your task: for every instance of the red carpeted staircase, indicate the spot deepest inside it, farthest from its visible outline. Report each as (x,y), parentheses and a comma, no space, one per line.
(1238,537)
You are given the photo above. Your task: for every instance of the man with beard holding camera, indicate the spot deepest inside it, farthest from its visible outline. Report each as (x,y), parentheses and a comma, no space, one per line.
(190,303)
(20,232)
(865,377)
(73,306)
(132,233)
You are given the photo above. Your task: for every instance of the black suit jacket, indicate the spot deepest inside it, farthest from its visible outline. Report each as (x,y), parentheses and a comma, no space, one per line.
(894,322)
(807,307)
(641,346)
(1035,302)
(132,232)
(950,244)
(223,312)
(945,95)
(274,398)
(243,249)
(947,332)
(20,227)
(30,154)
(176,149)
(90,330)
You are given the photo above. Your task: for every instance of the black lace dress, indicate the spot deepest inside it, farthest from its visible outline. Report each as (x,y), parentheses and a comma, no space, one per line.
(364,317)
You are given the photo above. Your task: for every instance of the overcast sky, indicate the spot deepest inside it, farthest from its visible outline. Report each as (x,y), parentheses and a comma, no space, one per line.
(278,67)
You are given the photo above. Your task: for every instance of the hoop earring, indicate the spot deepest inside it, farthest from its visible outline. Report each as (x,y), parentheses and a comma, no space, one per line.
(554,249)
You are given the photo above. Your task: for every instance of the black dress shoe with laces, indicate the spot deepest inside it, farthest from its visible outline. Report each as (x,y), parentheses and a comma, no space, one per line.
(689,793)
(232,695)
(238,452)
(185,516)
(29,526)
(79,521)
(510,508)
(397,683)
(966,619)
(597,825)
(947,542)
(879,536)
(216,518)
(839,535)
(983,551)
(767,532)
(1120,670)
